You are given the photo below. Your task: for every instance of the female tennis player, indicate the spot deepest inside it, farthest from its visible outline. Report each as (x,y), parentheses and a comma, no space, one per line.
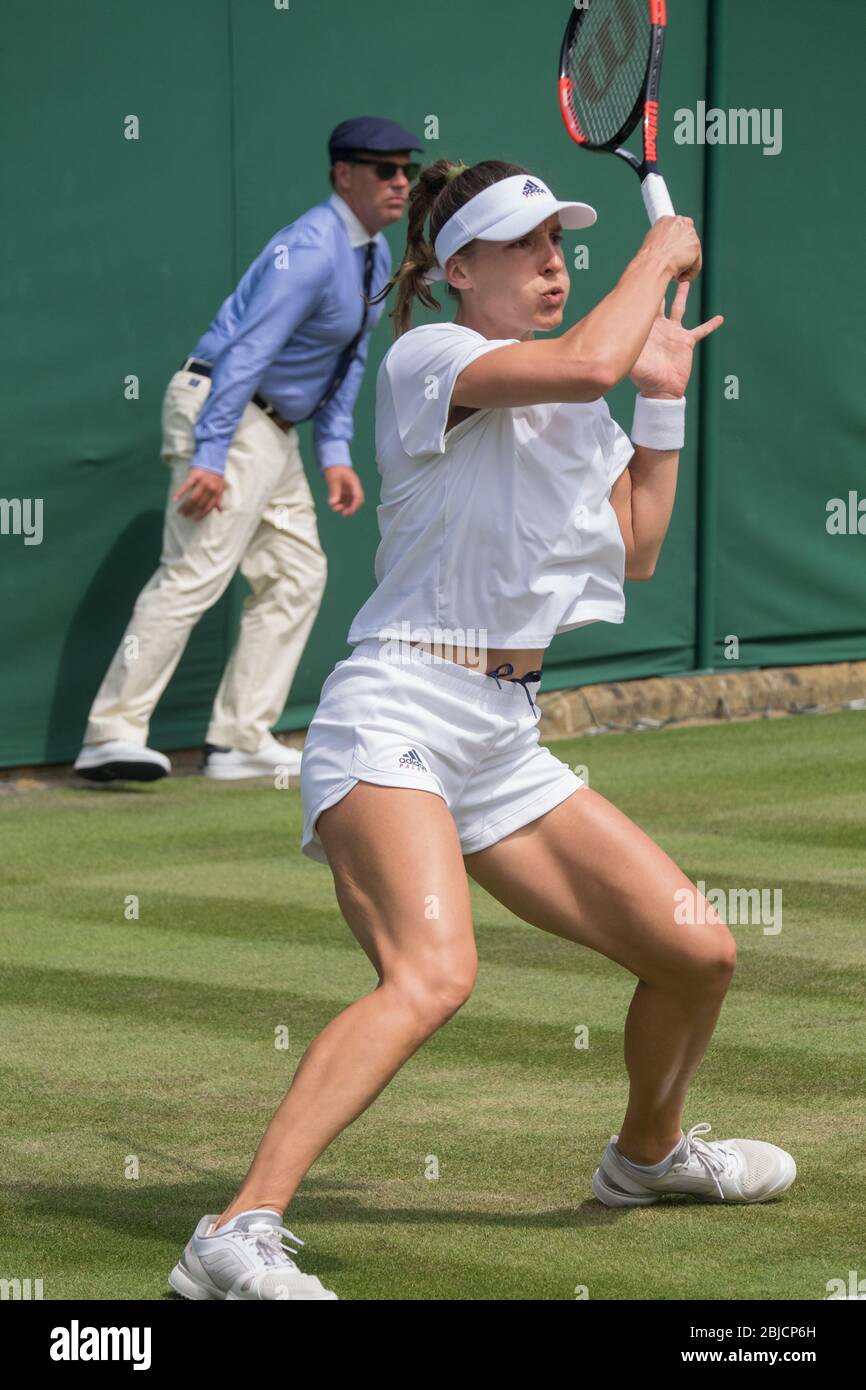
(512,509)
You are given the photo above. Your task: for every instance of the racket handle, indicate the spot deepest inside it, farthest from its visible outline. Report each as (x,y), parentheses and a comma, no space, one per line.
(656,198)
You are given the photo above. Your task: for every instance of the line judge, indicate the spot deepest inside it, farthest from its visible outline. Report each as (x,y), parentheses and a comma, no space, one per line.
(289,344)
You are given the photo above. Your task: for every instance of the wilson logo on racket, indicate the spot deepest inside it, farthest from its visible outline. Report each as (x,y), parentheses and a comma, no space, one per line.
(651,129)
(613,45)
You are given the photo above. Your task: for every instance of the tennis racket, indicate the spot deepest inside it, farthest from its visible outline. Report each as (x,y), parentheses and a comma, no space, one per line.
(610,69)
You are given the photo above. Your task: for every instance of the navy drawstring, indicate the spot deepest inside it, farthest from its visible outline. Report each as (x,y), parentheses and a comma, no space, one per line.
(507,669)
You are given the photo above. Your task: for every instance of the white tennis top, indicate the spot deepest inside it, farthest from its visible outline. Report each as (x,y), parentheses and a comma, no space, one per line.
(503,524)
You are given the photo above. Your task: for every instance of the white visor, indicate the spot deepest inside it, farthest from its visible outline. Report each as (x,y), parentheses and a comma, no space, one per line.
(505,211)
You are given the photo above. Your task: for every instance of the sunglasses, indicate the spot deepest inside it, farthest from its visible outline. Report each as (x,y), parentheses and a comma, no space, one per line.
(387,169)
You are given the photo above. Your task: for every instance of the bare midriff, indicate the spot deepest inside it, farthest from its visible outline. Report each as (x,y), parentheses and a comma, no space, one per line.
(523,659)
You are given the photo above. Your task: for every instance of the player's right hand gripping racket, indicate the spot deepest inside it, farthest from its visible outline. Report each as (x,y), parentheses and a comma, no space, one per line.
(609,76)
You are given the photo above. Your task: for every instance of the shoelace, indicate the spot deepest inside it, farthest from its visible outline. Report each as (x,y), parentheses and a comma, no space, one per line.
(270,1244)
(715,1160)
(506,668)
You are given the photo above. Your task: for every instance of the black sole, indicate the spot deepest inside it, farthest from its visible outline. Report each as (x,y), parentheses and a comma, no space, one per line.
(123,772)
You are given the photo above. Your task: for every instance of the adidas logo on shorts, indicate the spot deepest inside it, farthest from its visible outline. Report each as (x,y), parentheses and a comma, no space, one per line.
(411,761)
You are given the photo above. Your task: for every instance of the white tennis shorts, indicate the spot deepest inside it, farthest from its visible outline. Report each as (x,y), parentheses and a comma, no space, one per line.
(399,716)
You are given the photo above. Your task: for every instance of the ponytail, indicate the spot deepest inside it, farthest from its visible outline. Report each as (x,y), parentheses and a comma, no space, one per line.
(442,188)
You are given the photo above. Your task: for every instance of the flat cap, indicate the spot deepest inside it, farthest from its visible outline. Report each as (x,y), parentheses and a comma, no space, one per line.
(370,133)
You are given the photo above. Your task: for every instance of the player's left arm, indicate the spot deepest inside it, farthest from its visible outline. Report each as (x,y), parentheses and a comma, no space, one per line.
(643,495)
(643,499)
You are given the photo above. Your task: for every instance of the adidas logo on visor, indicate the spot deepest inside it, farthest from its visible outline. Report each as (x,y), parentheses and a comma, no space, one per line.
(530,188)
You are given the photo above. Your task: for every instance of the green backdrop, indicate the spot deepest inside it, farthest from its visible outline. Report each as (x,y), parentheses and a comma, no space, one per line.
(117,253)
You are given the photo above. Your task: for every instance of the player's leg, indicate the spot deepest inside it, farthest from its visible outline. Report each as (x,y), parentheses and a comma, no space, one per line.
(401,885)
(286,569)
(586,872)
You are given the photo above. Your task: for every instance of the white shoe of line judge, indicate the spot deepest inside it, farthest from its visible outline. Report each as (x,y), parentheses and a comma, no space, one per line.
(230,764)
(117,760)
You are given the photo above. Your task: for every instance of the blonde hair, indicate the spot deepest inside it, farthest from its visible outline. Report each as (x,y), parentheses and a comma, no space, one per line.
(442,188)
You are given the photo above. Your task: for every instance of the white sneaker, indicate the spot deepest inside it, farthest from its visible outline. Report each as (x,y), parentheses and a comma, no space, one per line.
(229,764)
(119,761)
(730,1170)
(245,1259)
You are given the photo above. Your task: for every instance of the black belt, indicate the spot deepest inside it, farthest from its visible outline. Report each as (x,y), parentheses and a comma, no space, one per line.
(195,364)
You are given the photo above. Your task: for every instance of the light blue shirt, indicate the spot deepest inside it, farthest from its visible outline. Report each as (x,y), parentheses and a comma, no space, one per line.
(282,330)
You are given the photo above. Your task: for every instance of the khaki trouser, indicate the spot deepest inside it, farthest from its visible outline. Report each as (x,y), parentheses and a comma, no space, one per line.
(267,528)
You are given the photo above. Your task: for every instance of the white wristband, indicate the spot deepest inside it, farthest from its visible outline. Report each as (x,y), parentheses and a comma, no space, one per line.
(659,424)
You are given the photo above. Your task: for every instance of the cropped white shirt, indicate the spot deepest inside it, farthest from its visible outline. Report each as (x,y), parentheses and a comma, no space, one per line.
(501,526)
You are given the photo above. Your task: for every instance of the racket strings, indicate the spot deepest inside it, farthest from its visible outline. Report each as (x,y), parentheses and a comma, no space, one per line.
(607,62)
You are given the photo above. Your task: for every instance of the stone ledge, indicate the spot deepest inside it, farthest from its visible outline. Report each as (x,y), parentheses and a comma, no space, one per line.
(616,706)
(612,707)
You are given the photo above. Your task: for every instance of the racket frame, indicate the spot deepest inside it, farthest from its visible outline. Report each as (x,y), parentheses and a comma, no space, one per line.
(654,191)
